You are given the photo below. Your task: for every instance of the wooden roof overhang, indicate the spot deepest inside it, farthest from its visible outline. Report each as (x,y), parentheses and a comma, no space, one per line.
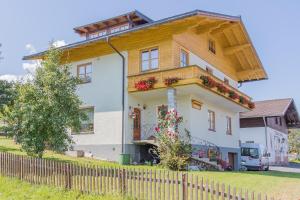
(229,30)
(291,116)
(134,18)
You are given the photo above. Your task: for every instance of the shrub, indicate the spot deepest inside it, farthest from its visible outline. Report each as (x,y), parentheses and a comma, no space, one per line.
(174,148)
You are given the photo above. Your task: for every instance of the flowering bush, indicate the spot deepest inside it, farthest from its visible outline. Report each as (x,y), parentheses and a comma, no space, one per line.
(233,95)
(173,148)
(170,81)
(145,84)
(208,81)
(222,88)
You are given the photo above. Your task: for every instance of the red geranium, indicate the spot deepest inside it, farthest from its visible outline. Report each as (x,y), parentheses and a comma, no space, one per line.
(145,84)
(208,81)
(222,88)
(171,81)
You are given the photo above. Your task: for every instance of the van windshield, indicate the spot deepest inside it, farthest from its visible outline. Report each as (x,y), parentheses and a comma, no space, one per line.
(252,152)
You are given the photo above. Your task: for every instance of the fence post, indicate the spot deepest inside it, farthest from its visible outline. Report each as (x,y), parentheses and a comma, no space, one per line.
(68,176)
(123,186)
(184,186)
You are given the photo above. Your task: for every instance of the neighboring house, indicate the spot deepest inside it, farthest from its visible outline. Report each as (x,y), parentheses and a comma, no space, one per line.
(186,46)
(268,125)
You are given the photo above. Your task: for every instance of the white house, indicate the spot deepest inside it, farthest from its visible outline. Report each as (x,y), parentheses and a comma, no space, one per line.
(126,62)
(268,125)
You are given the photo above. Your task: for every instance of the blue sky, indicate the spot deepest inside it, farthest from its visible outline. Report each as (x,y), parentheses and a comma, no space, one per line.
(273,25)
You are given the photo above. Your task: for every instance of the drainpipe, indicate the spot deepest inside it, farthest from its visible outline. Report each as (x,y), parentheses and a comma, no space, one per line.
(266,133)
(123,91)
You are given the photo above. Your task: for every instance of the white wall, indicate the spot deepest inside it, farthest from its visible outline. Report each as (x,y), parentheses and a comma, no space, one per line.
(196,60)
(200,125)
(104,93)
(258,135)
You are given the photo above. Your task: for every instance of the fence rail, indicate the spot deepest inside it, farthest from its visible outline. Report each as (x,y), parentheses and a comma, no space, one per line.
(136,183)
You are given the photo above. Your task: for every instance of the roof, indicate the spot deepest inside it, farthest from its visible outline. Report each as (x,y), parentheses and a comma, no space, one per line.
(153,23)
(256,72)
(268,108)
(133,15)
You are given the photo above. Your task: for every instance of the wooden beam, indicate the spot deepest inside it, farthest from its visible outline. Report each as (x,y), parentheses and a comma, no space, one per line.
(231,50)
(207,28)
(223,28)
(246,74)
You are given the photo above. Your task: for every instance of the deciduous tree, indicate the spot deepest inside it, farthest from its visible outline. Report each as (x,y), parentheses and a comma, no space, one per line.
(45,108)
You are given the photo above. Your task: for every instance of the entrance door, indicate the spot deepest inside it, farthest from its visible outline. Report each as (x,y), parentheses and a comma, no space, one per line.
(231,159)
(137,124)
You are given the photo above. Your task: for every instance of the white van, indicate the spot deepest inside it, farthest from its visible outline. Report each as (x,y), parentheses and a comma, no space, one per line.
(254,156)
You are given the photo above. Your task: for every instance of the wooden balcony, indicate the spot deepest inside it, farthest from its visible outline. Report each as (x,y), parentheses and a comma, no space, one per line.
(187,75)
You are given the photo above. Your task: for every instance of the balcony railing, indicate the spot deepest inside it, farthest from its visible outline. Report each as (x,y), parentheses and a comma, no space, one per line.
(191,75)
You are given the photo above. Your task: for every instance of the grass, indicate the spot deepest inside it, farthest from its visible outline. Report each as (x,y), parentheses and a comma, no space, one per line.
(296,161)
(278,184)
(14,189)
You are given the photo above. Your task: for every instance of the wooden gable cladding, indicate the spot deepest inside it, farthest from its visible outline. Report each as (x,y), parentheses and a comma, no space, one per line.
(198,44)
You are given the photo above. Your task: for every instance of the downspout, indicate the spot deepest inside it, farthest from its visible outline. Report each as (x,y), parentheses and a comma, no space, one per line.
(266,133)
(123,91)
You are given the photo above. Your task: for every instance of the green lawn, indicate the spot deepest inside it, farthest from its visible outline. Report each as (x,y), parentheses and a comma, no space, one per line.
(14,189)
(278,184)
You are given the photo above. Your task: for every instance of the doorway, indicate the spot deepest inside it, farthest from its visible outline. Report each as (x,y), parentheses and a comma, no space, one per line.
(231,160)
(137,124)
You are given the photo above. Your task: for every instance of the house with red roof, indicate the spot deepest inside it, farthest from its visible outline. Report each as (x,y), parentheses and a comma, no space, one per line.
(268,124)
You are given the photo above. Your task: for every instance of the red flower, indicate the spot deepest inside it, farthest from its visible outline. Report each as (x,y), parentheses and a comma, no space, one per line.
(251,105)
(233,94)
(145,84)
(170,81)
(222,88)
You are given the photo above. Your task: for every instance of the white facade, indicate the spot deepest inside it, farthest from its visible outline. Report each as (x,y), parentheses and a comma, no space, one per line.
(104,94)
(276,142)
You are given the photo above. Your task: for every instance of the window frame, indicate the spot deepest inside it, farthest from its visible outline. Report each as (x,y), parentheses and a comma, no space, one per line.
(149,59)
(211,121)
(186,53)
(228,125)
(212,46)
(86,132)
(85,73)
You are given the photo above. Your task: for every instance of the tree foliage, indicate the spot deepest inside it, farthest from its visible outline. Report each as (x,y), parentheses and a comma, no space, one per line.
(45,108)
(294,141)
(7,94)
(174,148)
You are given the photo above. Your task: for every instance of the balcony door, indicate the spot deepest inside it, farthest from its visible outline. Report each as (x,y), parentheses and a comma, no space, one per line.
(137,124)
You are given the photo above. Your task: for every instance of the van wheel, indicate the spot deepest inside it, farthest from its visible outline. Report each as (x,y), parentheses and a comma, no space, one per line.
(267,168)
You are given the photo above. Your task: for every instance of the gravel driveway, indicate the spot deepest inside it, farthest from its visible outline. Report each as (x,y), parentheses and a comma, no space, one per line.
(292,167)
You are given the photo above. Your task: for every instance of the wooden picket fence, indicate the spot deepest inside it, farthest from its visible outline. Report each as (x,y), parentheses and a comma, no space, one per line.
(135,183)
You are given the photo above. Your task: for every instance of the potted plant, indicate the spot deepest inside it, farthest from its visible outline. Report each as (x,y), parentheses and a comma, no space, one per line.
(147,84)
(208,81)
(171,81)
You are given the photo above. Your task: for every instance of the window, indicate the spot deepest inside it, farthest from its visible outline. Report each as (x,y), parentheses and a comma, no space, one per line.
(119,28)
(87,125)
(183,58)
(209,70)
(228,129)
(149,59)
(226,81)
(211,121)
(212,46)
(280,121)
(84,72)
(251,152)
(97,34)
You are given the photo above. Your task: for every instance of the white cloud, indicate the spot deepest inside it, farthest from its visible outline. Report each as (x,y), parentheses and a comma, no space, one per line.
(30,67)
(30,48)
(10,77)
(59,43)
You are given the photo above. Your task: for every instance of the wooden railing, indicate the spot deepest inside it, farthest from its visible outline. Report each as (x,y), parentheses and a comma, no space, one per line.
(133,182)
(187,75)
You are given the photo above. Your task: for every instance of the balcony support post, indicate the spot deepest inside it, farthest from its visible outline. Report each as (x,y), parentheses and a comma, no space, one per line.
(171,92)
